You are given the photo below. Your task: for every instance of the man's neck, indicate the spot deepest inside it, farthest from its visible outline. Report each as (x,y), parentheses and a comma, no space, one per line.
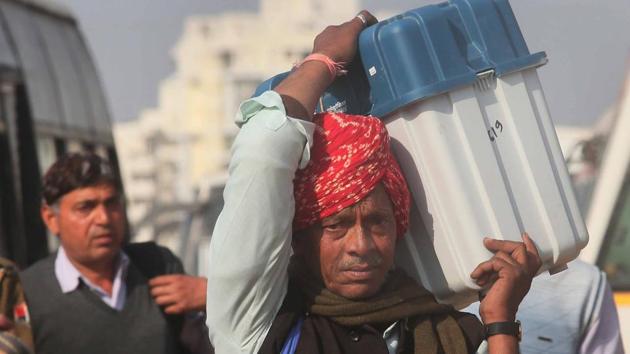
(100,274)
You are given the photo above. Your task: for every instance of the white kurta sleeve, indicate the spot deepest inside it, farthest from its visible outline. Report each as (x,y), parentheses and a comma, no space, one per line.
(251,242)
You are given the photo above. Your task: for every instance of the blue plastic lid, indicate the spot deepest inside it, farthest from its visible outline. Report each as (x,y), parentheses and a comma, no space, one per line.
(436,48)
(426,52)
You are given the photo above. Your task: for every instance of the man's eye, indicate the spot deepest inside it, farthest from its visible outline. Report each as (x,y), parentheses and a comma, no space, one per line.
(337,230)
(381,221)
(84,207)
(333,226)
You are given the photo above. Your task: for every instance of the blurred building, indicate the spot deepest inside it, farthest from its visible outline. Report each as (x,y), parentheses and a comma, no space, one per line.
(174,155)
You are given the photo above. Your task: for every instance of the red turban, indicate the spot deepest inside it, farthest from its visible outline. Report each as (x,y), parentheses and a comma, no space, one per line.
(349,157)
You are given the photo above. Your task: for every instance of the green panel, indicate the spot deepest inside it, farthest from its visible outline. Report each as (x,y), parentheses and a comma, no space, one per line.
(615,256)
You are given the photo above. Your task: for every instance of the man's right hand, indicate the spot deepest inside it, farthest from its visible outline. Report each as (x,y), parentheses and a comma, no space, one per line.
(339,42)
(301,90)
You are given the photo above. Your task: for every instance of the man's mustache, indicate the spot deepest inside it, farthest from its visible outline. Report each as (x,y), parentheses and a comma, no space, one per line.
(371,261)
(100,231)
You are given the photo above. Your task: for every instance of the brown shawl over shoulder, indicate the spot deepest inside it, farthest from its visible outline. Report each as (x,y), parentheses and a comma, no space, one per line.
(333,324)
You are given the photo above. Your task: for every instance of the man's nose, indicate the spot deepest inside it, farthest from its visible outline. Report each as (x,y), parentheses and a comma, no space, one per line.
(360,241)
(102,215)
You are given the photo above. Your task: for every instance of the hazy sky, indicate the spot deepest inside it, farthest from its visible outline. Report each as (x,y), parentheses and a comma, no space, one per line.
(587,43)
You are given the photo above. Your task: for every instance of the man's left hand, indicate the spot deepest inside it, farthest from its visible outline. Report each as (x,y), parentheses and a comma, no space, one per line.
(179,293)
(510,273)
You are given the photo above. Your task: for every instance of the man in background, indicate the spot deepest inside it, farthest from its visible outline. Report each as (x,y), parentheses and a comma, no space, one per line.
(94,294)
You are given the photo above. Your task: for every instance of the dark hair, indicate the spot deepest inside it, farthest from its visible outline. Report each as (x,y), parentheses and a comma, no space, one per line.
(77,170)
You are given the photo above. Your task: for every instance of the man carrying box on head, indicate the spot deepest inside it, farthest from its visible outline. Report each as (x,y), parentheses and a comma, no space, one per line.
(328,190)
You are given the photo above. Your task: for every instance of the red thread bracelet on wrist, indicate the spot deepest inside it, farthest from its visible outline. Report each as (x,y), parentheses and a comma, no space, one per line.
(335,68)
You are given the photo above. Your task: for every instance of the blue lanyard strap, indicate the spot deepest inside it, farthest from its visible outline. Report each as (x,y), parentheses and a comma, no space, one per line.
(290,345)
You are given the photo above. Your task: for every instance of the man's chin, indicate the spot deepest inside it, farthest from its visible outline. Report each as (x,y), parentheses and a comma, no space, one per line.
(357,291)
(105,252)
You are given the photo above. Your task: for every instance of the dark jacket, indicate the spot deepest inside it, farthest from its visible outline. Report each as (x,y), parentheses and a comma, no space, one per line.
(80,322)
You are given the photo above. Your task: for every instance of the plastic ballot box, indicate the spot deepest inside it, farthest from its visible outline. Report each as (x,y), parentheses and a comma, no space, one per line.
(458,90)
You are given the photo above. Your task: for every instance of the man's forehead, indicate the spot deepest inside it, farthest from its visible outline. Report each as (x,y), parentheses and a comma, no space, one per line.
(377,199)
(96,192)
(376,202)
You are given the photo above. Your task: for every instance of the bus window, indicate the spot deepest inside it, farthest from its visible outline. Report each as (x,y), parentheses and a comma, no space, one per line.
(46,152)
(614,259)
(101,151)
(60,147)
(74,146)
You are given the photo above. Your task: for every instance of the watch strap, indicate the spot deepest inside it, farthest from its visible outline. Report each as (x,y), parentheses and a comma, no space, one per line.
(509,328)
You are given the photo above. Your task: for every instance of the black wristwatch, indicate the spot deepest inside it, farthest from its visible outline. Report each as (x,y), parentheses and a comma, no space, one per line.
(509,328)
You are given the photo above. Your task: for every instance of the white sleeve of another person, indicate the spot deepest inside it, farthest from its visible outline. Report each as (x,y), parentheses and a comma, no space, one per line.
(603,335)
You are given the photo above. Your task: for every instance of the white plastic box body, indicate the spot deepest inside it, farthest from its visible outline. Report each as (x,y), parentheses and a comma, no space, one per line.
(482,161)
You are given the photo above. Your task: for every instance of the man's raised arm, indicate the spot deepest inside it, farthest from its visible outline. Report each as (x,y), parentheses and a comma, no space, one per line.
(251,242)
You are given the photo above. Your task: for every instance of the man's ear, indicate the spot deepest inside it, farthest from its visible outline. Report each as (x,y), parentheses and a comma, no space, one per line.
(306,241)
(50,218)
(302,241)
